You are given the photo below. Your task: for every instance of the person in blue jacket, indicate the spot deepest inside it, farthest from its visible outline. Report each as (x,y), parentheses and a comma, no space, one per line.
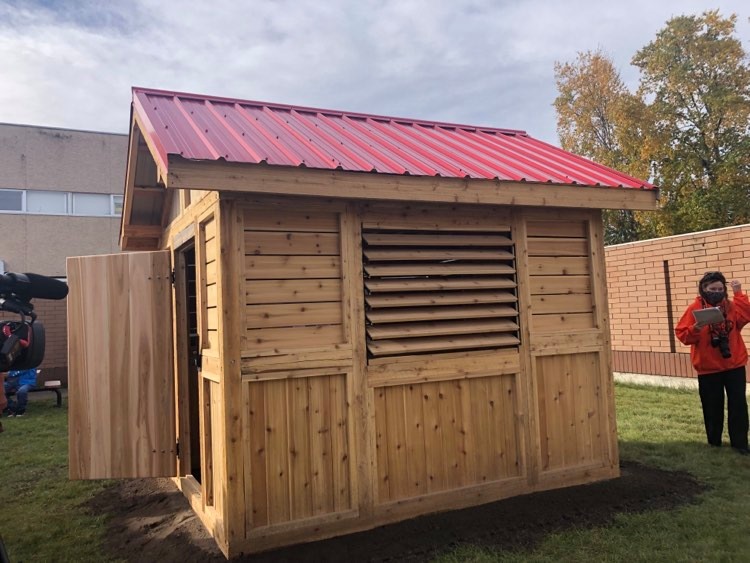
(19,383)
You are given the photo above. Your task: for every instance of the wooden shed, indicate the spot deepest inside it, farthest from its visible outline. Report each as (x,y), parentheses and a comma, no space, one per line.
(331,321)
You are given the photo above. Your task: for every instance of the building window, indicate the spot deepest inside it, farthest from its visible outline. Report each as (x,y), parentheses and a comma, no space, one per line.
(11,200)
(48,202)
(91,204)
(116,205)
(51,203)
(428,292)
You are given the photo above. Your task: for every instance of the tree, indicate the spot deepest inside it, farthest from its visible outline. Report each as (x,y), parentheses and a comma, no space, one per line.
(696,74)
(594,116)
(687,128)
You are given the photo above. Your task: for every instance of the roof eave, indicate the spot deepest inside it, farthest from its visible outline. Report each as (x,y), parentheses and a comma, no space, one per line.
(289,180)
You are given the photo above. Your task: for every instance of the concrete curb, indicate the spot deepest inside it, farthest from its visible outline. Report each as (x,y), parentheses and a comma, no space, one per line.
(661,381)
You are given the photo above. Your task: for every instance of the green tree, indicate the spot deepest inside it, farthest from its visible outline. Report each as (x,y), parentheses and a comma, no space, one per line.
(687,127)
(696,75)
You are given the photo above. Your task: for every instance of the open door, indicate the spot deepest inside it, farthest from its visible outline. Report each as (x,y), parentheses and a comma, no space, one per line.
(120,375)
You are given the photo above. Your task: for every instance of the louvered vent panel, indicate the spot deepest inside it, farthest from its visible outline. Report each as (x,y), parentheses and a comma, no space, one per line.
(428,292)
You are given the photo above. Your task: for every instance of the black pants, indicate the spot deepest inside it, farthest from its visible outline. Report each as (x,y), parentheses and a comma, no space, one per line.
(711,388)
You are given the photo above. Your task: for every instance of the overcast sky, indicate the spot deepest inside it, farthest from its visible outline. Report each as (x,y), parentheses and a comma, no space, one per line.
(71,63)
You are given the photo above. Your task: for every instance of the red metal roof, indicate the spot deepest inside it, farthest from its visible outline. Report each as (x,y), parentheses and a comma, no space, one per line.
(200,127)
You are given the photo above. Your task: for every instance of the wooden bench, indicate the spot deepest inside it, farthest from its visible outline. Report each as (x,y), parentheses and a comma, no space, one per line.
(55,386)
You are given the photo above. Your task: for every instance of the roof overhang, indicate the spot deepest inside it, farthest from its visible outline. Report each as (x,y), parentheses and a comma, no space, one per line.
(276,180)
(146,201)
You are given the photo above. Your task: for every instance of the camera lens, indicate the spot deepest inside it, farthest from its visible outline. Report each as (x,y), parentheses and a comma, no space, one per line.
(724,347)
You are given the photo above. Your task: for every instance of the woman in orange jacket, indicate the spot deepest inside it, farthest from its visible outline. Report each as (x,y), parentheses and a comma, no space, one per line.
(719,356)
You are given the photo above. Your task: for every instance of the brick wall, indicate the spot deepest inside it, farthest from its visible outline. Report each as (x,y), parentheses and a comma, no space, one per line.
(54,316)
(639,296)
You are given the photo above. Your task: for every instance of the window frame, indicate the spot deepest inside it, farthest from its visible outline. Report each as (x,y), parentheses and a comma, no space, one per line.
(69,200)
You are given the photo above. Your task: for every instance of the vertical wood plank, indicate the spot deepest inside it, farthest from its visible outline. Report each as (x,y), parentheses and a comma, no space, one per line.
(582,381)
(567,402)
(480,425)
(255,454)
(231,286)
(529,398)
(598,424)
(278,448)
(468,430)
(601,312)
(415,439)
(381,445)
(544,419)
(219,451)
(207,460)
(449,422)
(341,440)
(361,408)
(321,452)
(496,427)
(300,487)
(507,388)
(433,438)
(397,460)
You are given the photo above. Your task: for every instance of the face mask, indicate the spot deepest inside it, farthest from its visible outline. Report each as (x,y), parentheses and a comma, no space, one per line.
(715,297)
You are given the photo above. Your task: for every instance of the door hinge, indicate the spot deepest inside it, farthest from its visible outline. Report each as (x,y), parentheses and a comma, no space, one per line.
(173,277)
(177,448)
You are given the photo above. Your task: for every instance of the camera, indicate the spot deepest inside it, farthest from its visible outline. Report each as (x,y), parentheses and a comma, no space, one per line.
(22,341)
(721,341)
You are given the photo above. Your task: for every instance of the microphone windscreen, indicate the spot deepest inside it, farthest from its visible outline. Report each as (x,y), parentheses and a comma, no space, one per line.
(43,287)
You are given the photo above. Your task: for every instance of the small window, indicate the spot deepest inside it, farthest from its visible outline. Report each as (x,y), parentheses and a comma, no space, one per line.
(11,200)
(428,292)
(52,203)
(116,205)
(92,204)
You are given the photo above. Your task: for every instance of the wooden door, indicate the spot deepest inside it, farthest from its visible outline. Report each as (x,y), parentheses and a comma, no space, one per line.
(120,374)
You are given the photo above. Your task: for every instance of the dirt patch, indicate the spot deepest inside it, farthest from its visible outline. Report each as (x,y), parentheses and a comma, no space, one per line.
(150,520)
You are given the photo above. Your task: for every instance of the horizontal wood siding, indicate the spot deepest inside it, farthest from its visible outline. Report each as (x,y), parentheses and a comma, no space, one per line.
(293,294)
(559,275)
(210,317)
(439,436)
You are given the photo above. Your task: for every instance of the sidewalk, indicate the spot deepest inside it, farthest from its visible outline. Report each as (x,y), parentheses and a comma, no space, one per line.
(661,381)
(657,380)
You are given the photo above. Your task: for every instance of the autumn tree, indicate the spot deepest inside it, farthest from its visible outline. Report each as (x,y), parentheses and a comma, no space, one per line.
(686,128)
(594,110)
(696,76)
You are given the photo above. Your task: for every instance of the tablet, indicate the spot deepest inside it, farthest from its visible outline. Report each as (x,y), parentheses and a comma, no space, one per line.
(711,315)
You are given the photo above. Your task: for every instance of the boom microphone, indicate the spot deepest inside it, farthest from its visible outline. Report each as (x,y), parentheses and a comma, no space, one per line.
(30,286)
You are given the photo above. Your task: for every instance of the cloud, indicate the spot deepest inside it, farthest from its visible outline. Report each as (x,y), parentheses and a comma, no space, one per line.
(72,63)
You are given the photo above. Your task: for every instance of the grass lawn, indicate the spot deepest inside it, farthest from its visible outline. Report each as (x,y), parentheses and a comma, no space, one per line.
(43,517)
(663,428)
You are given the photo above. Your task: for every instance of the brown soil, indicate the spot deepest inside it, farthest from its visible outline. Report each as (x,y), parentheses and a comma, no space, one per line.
(150,520)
